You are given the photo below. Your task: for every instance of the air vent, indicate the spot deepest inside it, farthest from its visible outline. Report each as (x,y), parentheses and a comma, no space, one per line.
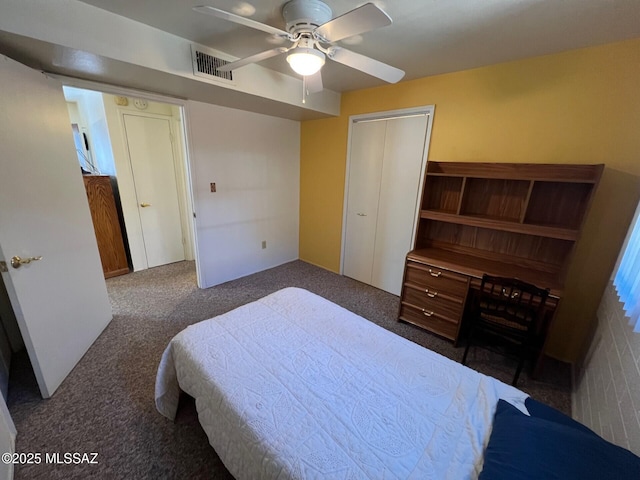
(205,65)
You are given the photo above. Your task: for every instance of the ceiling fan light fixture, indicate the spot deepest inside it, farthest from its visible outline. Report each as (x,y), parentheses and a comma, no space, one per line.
(306,61)
(314,33)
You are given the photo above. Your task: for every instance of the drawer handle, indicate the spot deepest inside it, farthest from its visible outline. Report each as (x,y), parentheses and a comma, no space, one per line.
(434,274)
(425,312)
(431,294)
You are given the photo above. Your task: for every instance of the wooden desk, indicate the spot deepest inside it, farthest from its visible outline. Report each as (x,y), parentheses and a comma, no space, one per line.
(503,219)
(439,287)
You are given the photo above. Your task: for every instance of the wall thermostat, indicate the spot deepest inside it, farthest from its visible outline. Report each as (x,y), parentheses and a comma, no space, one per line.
(140,104)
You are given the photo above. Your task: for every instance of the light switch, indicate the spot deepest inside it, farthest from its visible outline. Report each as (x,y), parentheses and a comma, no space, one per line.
(213,187)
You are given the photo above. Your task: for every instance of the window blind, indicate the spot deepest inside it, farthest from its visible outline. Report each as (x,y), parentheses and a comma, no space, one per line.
(627,278)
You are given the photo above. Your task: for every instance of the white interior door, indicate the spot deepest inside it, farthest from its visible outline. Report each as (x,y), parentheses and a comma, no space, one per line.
(365,170)
(152,163)
(60,301)
(399,188)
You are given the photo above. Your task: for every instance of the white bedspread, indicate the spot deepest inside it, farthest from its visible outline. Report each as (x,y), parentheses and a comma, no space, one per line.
(294,386)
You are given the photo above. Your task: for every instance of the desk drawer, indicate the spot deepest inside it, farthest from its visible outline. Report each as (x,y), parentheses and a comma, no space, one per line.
(444,304)
(433,298)
(432,321)
(437,279)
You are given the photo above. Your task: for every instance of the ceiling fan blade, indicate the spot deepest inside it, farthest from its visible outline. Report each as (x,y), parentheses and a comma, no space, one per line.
(258,57)
(367,65)
(359,20)
(314,82)
(247,22)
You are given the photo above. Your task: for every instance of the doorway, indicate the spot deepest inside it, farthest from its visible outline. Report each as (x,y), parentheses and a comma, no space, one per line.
(385,162)
(139,144)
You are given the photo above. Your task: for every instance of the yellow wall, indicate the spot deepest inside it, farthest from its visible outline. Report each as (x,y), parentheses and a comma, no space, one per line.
(581,106)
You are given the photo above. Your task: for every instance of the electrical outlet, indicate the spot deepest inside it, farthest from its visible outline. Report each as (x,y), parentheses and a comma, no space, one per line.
(264,244)
(213,187)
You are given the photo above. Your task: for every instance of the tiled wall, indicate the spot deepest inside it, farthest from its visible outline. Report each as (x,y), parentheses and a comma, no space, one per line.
(606,394)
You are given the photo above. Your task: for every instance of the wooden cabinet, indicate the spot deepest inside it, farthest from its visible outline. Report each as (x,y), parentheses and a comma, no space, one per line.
(504,219)
(106,225)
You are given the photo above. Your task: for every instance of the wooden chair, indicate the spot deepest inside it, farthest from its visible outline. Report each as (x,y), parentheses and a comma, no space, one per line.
(508,310)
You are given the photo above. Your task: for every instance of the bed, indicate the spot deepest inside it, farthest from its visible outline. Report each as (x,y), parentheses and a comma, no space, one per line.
(294,386)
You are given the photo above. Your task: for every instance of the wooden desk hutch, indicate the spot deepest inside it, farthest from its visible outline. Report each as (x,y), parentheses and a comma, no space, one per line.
(504,219)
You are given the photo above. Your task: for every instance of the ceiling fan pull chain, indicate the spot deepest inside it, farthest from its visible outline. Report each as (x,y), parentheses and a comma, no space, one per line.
(304,89)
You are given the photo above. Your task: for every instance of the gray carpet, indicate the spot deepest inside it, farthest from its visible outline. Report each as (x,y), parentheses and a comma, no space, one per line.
(106,405)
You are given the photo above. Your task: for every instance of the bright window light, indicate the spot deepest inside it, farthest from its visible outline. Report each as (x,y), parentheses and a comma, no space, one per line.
(627,279)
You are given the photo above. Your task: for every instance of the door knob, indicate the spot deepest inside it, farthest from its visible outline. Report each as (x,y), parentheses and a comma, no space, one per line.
(17,261)
(144,205)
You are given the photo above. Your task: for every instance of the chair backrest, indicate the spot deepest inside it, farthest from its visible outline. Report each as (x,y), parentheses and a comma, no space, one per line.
(510,306)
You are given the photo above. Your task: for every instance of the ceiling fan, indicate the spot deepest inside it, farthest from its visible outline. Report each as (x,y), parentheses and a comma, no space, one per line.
(313,33)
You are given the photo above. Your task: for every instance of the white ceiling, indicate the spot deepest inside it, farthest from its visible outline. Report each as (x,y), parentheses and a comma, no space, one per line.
(427,37)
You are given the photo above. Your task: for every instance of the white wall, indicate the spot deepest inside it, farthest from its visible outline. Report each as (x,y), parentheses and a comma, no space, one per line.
(254,160)
(92,120)
(74,113)
(606,396)
(92,109)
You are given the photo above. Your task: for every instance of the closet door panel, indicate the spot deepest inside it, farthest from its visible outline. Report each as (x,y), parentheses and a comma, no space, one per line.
(365,169)
(398,199)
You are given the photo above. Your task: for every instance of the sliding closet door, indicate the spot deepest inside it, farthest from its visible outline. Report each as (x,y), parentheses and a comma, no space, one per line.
(385,162)
(400,184)
(365,169)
